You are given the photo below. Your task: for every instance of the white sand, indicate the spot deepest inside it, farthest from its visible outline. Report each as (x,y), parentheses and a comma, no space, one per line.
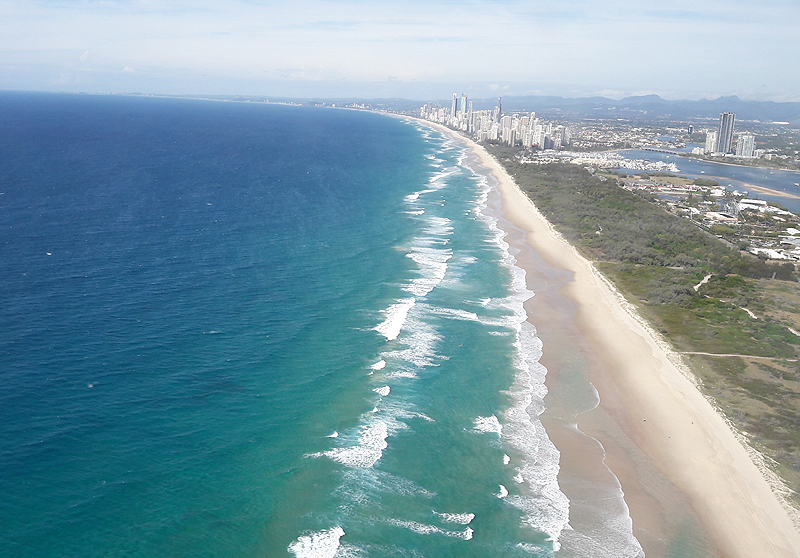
(663,411)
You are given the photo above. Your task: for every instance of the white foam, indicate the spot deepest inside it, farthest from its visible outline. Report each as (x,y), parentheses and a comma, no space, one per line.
(420,343)
(439,226)
(371,443)
(402,374)
(456,314)
(361,481)
(382,391)
(460,518)
(423,416)
(437,178)
(545,507)
(488,424)
(395,318)
(506,459)
(424,529)
(380,365)
(401,409)
(322,544)
(334,435)
(411,198)
(432,263)
(503,492)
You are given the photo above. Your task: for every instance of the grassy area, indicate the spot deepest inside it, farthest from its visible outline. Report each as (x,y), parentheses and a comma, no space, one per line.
(656,259)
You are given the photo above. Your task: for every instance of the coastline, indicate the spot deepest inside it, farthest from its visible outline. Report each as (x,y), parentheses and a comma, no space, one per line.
(652,421)
(690,156)
(770,192)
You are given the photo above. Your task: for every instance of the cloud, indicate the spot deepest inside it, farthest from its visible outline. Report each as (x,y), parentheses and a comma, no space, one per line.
(620,45)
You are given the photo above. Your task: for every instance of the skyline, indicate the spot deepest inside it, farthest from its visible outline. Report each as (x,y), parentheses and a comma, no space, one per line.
(415,50)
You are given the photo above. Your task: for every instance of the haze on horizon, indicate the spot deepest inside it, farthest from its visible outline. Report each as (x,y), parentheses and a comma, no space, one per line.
(678,49)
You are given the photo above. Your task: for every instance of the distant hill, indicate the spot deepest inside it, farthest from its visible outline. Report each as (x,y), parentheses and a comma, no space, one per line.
(650,107)
(645,107)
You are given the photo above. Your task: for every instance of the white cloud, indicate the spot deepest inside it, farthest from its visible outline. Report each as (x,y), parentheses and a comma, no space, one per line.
(621,45)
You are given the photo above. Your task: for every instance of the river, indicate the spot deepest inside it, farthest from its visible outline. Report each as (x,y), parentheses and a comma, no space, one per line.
(733,176)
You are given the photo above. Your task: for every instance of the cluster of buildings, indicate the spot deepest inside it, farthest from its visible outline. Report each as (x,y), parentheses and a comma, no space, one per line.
(720,141)
(767,230)
(526,130)
(493,125)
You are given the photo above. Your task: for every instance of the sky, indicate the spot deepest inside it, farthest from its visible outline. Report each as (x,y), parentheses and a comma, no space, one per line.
(416,49)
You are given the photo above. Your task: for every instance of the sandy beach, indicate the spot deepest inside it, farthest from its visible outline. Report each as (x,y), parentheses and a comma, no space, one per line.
(771,192)
(672,452)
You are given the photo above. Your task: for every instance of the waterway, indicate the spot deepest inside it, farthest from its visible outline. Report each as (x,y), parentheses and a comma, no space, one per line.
(732,177)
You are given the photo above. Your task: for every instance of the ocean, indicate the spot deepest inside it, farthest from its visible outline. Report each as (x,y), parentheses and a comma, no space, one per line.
(243,329)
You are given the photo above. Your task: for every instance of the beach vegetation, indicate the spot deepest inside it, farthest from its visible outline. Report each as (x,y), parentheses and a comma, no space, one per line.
(708,182)
(701,293)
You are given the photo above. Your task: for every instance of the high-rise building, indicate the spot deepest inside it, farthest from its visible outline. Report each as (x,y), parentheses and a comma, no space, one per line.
(464,104)
(711,142)
(565,136)
(725,132)
(498,110)
(746,145)
(454,106)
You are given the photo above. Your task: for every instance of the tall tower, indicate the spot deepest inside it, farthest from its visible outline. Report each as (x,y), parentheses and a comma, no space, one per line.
(498,110)
(725,132)
(464,104)
(745,147)
(454,106)
(711,142)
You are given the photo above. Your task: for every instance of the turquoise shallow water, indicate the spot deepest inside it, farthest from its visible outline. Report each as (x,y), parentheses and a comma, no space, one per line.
(254,330)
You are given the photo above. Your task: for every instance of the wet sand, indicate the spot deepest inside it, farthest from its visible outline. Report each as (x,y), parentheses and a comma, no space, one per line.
(691,486)
(770,191)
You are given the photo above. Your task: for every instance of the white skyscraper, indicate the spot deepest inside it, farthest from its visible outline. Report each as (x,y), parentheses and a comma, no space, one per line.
(711,142)
(746,145)
(454,106)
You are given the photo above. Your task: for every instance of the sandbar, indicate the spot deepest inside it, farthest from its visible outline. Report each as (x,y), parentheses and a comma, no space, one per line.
(771,192)
(648,394)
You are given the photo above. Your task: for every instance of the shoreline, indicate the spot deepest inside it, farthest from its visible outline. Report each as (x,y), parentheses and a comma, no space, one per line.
(690,156)
(649,399)
(770,191)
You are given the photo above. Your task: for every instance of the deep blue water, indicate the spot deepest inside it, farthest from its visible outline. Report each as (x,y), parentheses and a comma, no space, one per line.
(251,330)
